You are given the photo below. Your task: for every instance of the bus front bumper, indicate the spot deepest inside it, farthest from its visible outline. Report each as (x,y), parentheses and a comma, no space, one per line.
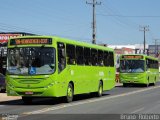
(37,92)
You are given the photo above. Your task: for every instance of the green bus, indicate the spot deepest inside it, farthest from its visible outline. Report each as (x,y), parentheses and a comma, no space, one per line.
(138,69)
(50,66)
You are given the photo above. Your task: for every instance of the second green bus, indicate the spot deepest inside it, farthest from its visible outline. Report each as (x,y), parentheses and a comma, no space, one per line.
(138,69)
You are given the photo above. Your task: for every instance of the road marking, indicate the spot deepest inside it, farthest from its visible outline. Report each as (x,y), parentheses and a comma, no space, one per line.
(138,110)
(87,101)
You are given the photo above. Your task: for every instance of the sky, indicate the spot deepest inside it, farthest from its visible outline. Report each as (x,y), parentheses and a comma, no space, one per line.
(117,21)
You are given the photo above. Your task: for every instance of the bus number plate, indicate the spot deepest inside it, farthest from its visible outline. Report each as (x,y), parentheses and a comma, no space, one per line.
(29,93)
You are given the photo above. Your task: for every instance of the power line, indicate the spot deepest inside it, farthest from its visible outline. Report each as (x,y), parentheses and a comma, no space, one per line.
(113,13)
(110,15)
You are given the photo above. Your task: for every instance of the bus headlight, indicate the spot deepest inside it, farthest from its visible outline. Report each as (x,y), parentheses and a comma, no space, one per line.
(50,85)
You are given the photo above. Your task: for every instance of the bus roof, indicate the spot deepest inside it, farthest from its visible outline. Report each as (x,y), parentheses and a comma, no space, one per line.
(69,41)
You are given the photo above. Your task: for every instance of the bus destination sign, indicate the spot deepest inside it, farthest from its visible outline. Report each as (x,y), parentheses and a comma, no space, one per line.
(26,41)
(132,56)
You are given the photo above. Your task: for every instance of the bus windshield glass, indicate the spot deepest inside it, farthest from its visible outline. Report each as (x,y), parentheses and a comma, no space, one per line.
(131,66)
(31,60)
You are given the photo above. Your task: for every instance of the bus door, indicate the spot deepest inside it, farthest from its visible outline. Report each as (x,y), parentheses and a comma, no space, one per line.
(62,72)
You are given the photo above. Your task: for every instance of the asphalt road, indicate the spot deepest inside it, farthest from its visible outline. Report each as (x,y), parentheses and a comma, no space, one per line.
(130,100)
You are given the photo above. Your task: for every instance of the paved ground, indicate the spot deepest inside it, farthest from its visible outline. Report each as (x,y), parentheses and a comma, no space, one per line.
(116,102)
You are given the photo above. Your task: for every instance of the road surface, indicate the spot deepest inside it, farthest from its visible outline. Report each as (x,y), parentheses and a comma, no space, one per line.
(114,104)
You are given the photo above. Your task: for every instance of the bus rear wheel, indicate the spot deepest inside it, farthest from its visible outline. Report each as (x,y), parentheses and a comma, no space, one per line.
(27,100)
(154,83)
(70,93)
(100,90)
(147,84)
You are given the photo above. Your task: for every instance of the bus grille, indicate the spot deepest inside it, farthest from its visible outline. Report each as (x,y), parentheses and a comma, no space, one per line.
(29,80)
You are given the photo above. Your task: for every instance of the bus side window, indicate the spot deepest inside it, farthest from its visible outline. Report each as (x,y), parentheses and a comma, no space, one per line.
(111,59)
(94,56)
(100,58)
(61,57)
(71,56)
(156,66)
(79,55)
(106,58)
(87,56)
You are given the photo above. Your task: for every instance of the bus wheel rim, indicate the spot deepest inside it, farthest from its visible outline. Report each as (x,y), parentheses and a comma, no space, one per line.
(69,92)
(100,90)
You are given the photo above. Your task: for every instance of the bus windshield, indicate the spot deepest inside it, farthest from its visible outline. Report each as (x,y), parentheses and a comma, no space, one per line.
(131,66)
(31,60)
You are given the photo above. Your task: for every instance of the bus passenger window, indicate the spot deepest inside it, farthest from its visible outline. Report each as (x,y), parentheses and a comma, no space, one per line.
(111,59)
(71,56)
(100,58)
(79,55)
(106,58)
(87,56)
(94,55)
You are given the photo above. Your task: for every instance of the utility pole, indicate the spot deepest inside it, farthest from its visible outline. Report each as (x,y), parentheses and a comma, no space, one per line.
(94,3)
(144,29)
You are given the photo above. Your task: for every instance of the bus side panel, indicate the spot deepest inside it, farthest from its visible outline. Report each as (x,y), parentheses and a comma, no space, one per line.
(62,80)
(86,79)
(109,78)
(79,77)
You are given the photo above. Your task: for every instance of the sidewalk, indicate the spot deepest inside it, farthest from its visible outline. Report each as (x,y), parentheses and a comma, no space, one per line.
(4,97)
(118,84)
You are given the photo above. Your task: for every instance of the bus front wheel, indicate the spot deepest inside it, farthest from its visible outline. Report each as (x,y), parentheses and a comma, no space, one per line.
(147,84)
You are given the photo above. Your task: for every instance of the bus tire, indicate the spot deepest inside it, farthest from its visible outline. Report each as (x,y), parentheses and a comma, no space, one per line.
(70,93)
(100,90)
(147,84)
(27,100)
(154,83)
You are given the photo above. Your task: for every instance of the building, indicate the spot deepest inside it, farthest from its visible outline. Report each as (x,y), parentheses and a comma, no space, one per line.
(154,50)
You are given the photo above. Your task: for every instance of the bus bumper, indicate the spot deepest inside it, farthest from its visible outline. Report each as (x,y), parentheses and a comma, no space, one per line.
(36,92)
